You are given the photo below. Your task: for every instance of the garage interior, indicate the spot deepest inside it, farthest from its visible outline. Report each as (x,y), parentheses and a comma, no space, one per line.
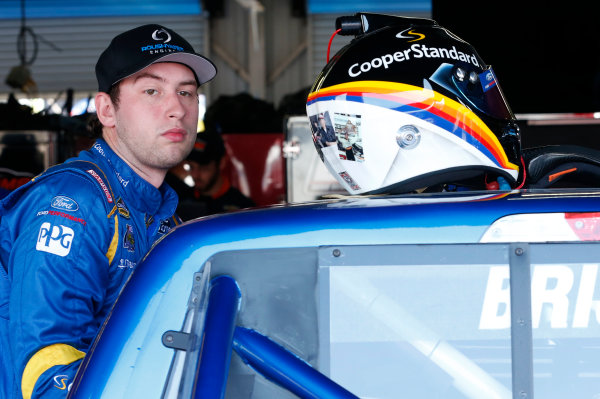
(268,53)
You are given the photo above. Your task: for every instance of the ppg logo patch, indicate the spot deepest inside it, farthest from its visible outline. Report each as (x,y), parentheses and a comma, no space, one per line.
(55,239)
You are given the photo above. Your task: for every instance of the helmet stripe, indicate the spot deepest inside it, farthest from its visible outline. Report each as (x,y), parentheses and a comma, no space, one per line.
(440,109)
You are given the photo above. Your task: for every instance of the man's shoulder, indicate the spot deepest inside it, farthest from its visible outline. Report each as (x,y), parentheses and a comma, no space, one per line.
(77,181)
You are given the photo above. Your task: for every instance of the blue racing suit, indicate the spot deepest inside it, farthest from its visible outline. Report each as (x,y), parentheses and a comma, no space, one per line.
(68,242)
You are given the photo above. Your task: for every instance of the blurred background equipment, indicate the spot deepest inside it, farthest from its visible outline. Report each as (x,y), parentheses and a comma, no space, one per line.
(551,80)
(19,76)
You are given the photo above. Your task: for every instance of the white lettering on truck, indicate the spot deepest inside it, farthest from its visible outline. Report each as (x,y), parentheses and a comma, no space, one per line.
(550,289)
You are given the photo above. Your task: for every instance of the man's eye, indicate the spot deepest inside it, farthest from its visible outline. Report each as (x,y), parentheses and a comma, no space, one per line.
(185,93)
(151,92)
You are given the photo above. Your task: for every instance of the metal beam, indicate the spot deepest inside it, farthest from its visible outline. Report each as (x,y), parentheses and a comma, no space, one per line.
(520,321)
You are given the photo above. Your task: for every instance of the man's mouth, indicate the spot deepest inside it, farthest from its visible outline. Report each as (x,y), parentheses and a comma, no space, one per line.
(175,135)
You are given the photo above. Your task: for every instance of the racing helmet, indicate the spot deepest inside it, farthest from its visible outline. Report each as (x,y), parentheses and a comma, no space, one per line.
(408,105)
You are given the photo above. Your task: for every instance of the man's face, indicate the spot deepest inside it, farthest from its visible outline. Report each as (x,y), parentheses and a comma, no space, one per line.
(157,117)
(322,123)
(205,176)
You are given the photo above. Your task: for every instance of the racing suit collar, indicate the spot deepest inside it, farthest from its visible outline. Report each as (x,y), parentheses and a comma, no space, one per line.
(138,193)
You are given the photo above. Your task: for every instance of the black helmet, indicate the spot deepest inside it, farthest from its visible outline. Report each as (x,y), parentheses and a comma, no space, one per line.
(408,105)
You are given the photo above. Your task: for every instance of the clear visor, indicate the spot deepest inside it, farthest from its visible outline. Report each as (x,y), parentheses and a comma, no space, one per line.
(478,89)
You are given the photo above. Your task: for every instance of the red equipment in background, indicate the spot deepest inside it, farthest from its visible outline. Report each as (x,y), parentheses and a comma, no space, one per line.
(256,166)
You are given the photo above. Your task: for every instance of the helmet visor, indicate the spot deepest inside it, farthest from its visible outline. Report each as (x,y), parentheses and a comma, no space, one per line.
(477,89)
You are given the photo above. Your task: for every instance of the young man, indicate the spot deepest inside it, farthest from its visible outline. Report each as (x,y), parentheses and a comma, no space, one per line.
(70,239)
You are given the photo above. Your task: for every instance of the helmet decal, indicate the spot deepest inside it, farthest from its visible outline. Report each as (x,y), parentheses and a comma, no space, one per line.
(436,108)
(409,33)
(343,132)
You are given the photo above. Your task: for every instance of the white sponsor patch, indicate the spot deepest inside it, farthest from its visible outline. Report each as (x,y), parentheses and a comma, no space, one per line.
(55,239)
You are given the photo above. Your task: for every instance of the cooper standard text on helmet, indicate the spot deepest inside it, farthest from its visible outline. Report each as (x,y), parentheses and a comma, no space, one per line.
(417,51)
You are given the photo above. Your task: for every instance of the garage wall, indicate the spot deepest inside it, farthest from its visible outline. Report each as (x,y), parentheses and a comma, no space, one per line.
(294,50)
(264,55)
(80,40)
(291,48)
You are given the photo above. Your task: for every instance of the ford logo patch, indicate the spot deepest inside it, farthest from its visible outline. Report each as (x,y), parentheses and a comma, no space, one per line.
(64,203)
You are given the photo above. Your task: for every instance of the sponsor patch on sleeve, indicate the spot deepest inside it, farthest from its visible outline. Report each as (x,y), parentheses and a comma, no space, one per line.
(102,185)
(129,240)
(62,215)
(123,211)
(64,203)
(55,239)
(60,382)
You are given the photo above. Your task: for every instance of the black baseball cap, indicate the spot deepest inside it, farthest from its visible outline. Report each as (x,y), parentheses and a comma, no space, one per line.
(135,49)
(209,146)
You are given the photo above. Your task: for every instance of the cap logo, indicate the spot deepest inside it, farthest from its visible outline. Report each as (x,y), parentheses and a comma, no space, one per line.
(159,34)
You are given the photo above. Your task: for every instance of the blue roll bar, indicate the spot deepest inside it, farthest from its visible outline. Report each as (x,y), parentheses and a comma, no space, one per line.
(215,356)
(270,359)
(284,368)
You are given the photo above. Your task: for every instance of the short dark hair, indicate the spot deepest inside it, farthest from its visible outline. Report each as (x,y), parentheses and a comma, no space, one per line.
(94,125)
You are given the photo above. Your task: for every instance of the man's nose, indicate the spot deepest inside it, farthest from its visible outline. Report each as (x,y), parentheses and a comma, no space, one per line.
(174,106)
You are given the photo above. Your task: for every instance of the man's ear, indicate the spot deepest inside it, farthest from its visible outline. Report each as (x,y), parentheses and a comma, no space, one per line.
(223,162)
(105,109)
